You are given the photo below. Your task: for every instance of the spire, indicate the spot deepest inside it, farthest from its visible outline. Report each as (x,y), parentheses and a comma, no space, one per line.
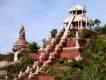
(21,40)
(22,32)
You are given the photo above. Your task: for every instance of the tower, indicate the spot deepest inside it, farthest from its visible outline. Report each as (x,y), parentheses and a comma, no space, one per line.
(76,22)
(21,40)
(20,43)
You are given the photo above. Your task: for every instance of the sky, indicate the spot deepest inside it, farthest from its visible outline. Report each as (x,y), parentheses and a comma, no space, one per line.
(39,17)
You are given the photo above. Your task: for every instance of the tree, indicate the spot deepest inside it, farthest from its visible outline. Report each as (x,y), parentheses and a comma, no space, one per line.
(95,52)
(92,23)
(33,46)
(103,30)
(53,33)
(87,33)
(97,22)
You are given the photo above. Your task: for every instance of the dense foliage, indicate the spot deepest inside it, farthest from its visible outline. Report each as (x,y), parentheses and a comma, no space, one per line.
(93,65)
(33,47)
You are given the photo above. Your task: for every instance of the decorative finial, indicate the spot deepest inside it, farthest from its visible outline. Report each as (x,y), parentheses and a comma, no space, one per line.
(22,32)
